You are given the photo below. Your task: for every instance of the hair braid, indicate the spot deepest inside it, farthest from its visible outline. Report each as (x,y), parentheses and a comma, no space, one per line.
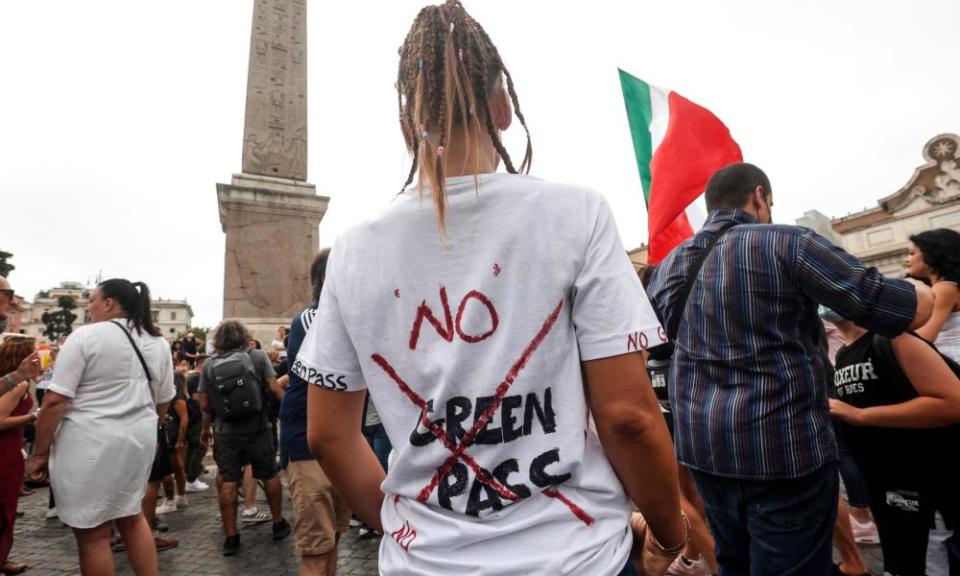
(448,69)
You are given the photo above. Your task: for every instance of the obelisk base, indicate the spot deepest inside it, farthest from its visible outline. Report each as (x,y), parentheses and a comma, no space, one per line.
(271,226)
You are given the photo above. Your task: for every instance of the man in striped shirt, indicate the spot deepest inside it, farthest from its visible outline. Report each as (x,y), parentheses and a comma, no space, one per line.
(747,381)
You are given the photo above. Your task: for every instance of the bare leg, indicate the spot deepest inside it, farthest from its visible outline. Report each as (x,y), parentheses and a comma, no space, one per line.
(179,472)
(168,490)
(851,562)
(141,550)
(228,507)
(249,488)
(149,503)
(96,559)
(274,490)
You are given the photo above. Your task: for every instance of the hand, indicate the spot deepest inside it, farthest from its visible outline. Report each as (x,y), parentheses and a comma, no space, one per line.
(29,367)
(648,557)
(846,413)
(205,437)
(39,470)
(180,445)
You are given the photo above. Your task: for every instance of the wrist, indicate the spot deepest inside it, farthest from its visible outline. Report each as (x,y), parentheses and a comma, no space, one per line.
(673,549)
(10,381)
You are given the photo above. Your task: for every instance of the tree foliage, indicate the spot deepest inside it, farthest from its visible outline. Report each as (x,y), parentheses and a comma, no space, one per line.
(59,323)
(5,266)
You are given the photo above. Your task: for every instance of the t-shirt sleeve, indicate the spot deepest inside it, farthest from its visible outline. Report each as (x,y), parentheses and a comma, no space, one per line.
(164,381)
(327,357)
(295,340)
(264,367)
(70,365)
(611,312)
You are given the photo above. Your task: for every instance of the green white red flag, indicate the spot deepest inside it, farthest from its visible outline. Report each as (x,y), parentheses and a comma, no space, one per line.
(678,145)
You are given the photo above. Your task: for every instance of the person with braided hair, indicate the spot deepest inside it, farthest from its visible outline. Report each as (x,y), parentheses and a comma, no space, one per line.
(498,329)
(98,430)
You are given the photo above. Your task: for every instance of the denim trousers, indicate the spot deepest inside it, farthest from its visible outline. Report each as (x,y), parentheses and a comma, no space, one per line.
(763,527)
(379,441)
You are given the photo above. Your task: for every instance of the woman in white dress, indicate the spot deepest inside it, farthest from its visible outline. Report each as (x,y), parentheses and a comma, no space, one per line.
(97,433)
(934,255)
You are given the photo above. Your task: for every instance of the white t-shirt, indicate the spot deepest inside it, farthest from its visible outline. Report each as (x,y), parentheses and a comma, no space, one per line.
(533,279)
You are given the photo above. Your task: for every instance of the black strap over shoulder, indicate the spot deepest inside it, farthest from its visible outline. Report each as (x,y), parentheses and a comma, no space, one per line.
(674,327)
(135,349)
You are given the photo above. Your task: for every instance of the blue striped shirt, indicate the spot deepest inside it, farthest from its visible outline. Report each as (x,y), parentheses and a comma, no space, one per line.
(747,382)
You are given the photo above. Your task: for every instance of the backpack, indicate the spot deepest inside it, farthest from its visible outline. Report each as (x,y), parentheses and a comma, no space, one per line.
(235,387)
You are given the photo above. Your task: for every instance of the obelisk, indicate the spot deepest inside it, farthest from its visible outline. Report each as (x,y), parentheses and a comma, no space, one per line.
(269,213)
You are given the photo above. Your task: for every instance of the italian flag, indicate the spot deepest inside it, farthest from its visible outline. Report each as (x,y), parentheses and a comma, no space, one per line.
(679,145)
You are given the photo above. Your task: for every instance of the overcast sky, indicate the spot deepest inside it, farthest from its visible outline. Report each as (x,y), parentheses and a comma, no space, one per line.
(118,117)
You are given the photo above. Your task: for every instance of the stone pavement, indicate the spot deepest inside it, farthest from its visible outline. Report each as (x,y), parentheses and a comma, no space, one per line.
(49,547)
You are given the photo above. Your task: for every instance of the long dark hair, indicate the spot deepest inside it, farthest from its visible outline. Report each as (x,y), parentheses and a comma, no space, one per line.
(941,251)
(134,298)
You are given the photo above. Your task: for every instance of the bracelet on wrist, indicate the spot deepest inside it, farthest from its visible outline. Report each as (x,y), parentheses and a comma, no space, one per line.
(674,550)
(8,381)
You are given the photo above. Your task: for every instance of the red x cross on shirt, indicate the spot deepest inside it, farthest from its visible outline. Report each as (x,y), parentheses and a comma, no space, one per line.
(458,451)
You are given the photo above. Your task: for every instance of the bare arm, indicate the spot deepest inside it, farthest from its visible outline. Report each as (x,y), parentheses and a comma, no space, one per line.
(938,403)
(275,388)
(636,441)
(29,368)
(16,421)
(283,382)
(334,437)
(161,411)
(944,299)
(180,407)
(9,402)
(924,305)
(206,409)
(53,407)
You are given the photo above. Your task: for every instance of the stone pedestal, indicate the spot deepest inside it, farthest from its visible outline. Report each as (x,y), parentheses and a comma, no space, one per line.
(271,226)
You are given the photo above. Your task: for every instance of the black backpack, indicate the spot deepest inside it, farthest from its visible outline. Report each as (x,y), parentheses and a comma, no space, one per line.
(234,387)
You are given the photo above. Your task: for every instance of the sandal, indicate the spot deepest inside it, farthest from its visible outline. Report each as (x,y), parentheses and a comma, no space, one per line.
(13,568)
(165,543)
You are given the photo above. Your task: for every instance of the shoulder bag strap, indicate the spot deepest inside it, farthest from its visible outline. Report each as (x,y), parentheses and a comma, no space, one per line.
(674,327)
(135,349)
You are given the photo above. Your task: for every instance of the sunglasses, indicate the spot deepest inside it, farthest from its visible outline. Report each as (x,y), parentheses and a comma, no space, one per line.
(8,292)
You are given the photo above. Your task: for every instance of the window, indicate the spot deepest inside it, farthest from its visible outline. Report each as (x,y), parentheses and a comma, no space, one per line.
(173,330)
(155,315)
(173,315)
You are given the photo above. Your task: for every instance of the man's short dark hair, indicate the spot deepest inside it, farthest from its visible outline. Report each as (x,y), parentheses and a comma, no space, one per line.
(318,272)
(731,187)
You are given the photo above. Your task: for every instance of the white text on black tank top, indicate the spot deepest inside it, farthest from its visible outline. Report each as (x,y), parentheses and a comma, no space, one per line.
(849,379)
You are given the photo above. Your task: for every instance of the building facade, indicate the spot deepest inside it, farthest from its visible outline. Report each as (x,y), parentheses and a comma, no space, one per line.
(930,199)
(172,317)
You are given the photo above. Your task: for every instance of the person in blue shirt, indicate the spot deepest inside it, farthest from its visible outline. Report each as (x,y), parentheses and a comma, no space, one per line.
(747,384)
(320,514)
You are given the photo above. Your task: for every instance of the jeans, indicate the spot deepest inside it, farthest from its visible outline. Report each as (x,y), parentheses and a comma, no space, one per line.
(764,527)
(377,437)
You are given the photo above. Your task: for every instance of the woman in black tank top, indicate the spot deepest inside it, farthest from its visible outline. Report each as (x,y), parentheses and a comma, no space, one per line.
(897,399)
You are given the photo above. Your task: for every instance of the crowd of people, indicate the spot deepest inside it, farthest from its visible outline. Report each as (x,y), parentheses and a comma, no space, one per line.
(570,417)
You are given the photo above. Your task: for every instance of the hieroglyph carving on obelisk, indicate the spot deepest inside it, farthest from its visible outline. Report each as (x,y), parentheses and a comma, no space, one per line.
(275,126)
